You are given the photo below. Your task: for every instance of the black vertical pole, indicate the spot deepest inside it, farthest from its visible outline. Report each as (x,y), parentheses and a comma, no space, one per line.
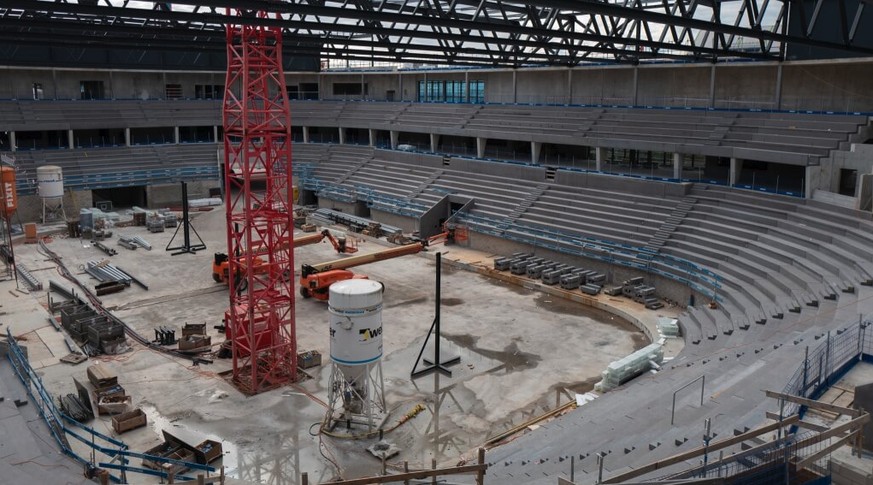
(436,344)
(185,214)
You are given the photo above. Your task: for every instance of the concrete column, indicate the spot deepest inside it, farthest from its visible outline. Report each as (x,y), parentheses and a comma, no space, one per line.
(636,84)
(399,90)
(363,91)
(811,181)
(712,86)
(736,168)
(434,142)
(425,90)
(177,138)
(515,86)
(778,100)
(466,86)
(536,147)
(480,146)
(12,146)
(305,134)
(112,89)
(372,137)
(320,87)
(127,136)
(214,133)
(71,141)
(395,137)
(677,165)
(569,85)
(598,158)
(342,135)
(55,83)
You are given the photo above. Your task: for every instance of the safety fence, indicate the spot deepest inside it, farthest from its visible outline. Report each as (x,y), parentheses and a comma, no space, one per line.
(92,449)
(825,363)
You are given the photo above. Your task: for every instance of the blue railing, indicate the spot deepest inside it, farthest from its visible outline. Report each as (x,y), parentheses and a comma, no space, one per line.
(63,427)
(126,179)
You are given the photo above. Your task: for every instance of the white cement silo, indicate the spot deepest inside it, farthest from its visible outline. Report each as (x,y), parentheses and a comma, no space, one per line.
(356,393)
(50,185)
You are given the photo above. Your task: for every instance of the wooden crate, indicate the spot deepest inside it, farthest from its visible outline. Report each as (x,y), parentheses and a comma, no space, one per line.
(129,420)
(100,376)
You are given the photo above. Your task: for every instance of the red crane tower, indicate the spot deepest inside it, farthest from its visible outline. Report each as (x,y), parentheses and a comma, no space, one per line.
(257,174)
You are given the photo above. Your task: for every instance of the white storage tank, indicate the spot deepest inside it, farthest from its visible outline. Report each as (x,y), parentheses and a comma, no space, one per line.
(50,180)
(355,308)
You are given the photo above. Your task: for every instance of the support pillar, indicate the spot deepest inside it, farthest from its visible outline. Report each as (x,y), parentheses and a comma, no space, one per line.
(677,165)
(342,135)
(736,168)
(395,137)
(569,85)
(636,84)
(466,86)
(127,137)
(536,147)
(480,146)
(372,137)
(12,146)
(71,141)
(598,158)
(305,134)
(177,137)
(778,100)
(514,86)
(434,142)
(811,180)
(214,134)
(712,87)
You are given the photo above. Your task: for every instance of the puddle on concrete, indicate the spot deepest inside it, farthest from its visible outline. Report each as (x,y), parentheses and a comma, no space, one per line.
(511,357)
(556,304)
(451,301)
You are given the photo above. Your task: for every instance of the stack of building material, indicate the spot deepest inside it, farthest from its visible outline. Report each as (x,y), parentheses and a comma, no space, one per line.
(622,370)
(111,398)
(669,327)
(194,339)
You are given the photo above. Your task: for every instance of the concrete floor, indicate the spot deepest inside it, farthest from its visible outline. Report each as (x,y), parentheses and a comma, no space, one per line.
(523,352)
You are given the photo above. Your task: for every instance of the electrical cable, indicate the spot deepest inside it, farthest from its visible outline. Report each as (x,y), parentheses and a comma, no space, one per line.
(98,306)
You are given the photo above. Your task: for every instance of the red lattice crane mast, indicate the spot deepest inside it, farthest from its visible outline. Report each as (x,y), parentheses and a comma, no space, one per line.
(257,171)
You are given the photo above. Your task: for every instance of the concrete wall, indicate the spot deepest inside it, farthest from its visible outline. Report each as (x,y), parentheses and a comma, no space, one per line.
(746,86)
(603,84)
(860,158)
(836,85)
(30,206)
(408,224)
(827,85)
(535,174)
(345,207)
(533,86)
(164,195)
(622,184)
(659,86)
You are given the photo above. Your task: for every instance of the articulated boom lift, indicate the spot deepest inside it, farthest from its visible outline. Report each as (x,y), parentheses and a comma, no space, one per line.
(220,261)
(315,279)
